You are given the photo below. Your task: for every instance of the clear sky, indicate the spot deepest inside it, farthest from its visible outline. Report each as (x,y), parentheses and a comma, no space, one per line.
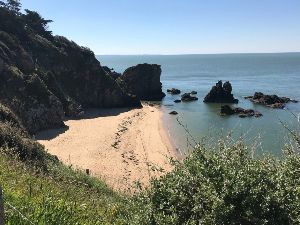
(175,26)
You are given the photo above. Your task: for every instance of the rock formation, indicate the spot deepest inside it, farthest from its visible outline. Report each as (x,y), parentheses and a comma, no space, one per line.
(174,91)
(143,80)
(173,113)
(227,110)
(221,93)
(272,101)
(45,77)
(111,72)
(186,97)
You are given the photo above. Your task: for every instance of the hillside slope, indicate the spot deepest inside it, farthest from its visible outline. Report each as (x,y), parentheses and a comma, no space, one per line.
(45,77)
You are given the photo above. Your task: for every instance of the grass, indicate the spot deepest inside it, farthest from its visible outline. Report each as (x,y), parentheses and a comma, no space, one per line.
(62,196)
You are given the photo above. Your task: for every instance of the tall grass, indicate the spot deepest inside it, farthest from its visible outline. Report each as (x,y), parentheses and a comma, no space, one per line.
(62,196)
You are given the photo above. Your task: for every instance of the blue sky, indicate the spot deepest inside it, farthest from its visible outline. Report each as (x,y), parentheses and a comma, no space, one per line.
(175,26)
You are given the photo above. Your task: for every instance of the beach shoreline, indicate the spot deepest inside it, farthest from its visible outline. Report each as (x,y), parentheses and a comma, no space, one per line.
(122,146)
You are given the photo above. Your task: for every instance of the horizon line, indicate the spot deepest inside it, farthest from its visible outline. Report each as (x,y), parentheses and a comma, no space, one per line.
(226,53)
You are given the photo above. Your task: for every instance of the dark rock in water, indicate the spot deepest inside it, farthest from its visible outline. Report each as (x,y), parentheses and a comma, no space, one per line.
(221,93)
(249,112)
(242,115)
(174,91)
(277,105)
(272,101)
(143,80)
(173,113)
(193,92)
(227,110)
(186,97)
(238,110)
(177,101)
(258,114)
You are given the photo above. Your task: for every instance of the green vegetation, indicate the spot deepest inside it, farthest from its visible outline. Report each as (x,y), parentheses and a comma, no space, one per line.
(214,185)
(60,196)
(225,186)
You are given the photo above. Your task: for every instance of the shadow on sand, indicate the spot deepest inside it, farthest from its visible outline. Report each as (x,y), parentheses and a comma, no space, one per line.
(50,133)
(88,114)
(104,112)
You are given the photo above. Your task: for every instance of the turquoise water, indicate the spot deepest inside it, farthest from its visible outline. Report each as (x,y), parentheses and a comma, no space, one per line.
(269,73)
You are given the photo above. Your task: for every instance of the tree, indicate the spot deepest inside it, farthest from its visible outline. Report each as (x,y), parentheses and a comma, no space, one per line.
(37,23)
(2,4)
(10,17)
(14,5)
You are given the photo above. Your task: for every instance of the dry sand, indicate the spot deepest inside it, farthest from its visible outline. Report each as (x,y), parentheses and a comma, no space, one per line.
(119,145)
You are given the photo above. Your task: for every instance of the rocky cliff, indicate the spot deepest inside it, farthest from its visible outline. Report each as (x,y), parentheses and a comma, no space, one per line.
(45,77)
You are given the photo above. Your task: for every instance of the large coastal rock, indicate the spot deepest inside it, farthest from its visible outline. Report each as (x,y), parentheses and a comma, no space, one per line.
(272,101)
(44,78)
(228,110)
(143,80)
(221,93)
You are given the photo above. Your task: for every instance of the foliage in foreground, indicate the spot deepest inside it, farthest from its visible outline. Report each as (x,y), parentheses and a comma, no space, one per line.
(225,186)
(61,196)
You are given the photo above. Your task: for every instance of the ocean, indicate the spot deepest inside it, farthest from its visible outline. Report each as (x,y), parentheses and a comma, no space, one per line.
(248,73)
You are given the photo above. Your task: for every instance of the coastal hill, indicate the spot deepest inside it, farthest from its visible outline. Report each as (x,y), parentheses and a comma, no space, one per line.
(46,77)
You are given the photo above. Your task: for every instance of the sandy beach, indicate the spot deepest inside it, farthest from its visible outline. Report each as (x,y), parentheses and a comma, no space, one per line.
(121,146)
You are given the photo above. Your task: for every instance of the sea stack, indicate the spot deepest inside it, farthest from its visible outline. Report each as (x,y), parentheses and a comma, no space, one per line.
(221,93)
(143,80)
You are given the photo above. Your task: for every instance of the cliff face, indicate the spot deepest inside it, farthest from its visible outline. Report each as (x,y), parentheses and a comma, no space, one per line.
(143,80)
(45,77)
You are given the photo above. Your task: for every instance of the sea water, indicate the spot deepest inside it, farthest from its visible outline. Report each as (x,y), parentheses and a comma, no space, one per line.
(248,73)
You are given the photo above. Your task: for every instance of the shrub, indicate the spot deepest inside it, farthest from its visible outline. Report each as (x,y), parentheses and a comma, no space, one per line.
(19,145)
(6,115)
(225,186)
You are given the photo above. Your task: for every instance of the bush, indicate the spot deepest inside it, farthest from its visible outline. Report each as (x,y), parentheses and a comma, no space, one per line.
(6,115)
(19,145)
(16,142)
(225,186)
